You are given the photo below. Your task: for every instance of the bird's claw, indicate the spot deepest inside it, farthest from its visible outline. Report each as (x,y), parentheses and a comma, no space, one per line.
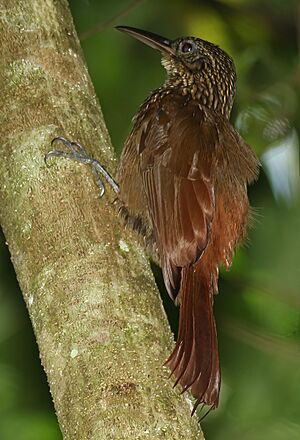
(77,152)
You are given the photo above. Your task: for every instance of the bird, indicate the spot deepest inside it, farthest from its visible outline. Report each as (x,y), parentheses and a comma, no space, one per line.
(181,185)
(183,179)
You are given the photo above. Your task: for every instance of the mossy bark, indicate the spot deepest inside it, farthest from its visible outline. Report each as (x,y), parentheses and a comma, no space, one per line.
(96,314)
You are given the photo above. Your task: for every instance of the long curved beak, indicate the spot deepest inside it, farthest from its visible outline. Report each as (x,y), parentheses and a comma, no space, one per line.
(155,41)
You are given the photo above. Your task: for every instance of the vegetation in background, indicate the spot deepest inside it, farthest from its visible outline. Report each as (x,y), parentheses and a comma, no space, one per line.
(258,309)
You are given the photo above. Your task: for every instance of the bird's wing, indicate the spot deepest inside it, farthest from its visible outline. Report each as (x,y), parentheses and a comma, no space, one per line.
(176,149)
(185,152)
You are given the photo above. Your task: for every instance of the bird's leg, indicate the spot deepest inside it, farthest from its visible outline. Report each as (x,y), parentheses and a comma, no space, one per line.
(77,152)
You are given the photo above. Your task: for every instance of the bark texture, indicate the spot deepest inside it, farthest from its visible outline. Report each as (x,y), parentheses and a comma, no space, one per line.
(96,314)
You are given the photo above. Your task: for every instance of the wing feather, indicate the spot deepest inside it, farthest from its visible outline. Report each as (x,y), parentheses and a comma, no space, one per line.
(180,193)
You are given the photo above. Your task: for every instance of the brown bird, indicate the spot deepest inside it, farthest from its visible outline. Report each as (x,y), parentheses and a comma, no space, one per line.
(183,179)
(182,185)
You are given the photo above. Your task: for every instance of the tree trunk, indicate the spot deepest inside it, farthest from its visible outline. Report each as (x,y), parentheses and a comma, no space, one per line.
(96,314)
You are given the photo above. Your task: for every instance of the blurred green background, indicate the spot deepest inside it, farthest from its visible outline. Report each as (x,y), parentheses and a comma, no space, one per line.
(258,310)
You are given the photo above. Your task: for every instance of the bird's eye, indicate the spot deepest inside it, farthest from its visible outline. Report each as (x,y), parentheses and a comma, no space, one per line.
(187,47)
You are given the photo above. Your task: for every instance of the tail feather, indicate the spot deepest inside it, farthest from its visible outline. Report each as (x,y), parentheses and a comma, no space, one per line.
(195,359)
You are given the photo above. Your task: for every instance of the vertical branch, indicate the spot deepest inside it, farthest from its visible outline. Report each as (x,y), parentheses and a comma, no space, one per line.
(98,320)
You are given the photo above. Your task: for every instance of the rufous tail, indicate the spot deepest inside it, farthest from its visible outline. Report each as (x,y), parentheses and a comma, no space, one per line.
(195,359)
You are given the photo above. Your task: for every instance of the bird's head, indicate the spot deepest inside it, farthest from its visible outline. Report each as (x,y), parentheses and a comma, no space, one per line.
(195,67)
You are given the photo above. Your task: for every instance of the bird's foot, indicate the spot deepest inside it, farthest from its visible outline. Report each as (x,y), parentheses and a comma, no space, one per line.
(77,152)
